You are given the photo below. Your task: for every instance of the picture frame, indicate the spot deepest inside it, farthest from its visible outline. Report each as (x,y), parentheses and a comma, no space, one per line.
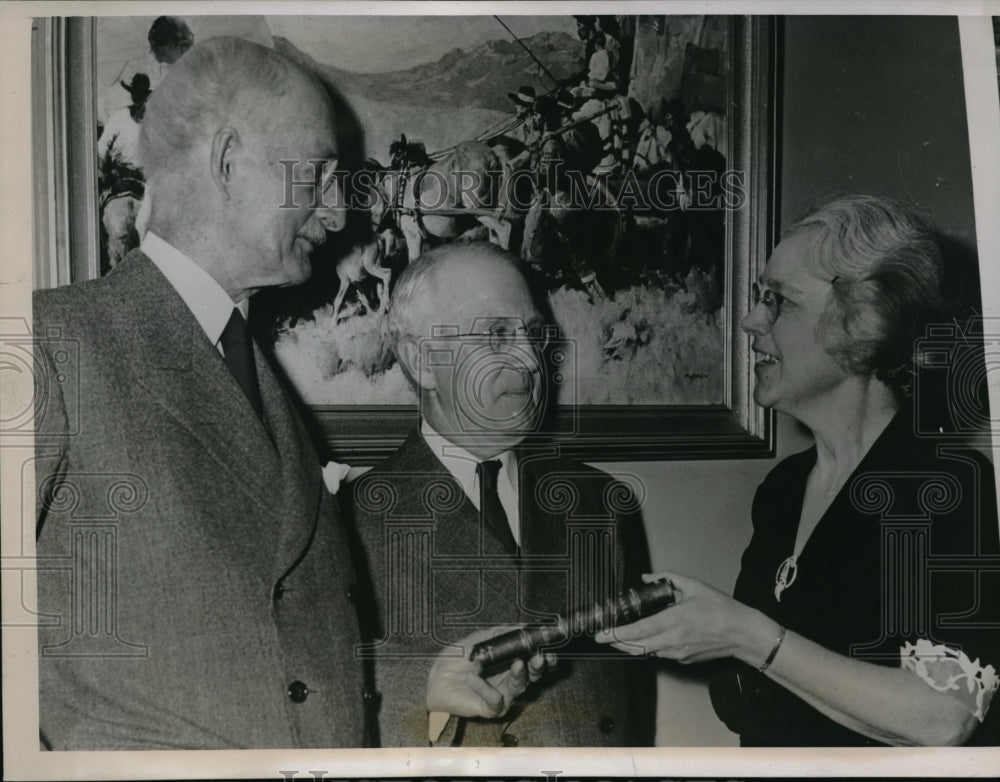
(67,207)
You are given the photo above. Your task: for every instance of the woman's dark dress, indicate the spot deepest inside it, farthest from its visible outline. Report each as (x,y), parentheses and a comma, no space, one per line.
(907,550)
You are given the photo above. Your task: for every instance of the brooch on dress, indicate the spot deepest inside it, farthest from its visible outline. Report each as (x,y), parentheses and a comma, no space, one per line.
(785,576)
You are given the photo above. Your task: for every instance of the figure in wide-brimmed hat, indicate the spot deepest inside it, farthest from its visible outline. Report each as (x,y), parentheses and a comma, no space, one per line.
(121,131)
(524,98)
(516,145)
(138,89)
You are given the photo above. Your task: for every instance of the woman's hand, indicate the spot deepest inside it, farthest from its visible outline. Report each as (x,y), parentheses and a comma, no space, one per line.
(704,624)
(891,705)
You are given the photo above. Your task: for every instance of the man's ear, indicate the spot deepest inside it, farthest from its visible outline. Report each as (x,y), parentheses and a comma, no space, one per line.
(408,353)
(225,145)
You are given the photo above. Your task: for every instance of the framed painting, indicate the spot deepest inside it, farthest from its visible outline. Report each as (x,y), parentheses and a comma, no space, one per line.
(642,246)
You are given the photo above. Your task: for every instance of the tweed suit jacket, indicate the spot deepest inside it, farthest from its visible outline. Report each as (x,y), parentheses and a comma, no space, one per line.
(440,573)
(194,580)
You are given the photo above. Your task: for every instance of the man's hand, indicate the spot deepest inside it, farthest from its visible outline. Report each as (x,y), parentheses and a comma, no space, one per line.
(455,685)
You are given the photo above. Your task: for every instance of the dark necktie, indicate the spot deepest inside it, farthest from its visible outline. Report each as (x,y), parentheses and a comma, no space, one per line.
(237,348)
(490,509)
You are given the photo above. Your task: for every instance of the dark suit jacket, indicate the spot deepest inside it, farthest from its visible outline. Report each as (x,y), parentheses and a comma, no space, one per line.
(191,570)
(439,574)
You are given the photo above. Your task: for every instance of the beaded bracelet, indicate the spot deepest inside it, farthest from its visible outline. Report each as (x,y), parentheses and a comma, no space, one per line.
(774,649)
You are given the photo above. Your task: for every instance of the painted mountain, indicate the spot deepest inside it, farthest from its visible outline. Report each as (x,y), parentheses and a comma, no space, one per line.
(453,99)
(479,78)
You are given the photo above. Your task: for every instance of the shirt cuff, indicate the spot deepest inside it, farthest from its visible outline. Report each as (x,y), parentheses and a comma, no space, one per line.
(950,671)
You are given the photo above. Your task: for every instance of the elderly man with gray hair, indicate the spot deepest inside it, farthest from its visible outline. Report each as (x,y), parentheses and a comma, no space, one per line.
(477,522)
(195,582)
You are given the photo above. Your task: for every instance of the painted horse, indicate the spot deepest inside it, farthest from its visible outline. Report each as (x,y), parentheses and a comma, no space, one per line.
(118,218)
(367,259)
(443,200)
(573,227)
(653,148)
(121,190)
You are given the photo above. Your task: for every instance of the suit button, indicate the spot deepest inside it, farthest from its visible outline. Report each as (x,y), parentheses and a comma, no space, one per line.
(298,692)
(508,740)
(370,699)
(350,592)
(279,591)
(606,725)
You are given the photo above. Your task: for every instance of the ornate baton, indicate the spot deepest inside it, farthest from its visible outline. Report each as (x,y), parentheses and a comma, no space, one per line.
(627,607)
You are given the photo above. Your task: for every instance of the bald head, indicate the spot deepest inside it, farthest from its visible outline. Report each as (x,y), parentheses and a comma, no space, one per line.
(451,282)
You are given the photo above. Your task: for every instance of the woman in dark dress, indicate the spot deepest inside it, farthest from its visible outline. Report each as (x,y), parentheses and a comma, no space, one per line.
(867,609)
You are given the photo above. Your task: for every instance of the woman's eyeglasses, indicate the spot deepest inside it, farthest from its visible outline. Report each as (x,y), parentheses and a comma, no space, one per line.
(772,300)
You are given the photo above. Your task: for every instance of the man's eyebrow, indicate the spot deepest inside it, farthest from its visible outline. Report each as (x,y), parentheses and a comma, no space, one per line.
(493,320)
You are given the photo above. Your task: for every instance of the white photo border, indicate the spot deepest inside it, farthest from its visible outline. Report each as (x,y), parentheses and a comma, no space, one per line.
(23,760)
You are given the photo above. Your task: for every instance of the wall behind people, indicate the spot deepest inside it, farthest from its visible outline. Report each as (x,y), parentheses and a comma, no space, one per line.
(870,105)
(877,106)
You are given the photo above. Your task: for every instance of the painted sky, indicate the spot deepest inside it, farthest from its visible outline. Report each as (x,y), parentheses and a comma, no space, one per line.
(363,44)
(370,44)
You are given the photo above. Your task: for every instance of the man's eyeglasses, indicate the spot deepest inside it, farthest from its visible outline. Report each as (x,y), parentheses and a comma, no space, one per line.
(328,179)
(772,300)
(503,336)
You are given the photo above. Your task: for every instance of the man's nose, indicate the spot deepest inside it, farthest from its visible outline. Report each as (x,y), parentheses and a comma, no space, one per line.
(333,218)
(332,212)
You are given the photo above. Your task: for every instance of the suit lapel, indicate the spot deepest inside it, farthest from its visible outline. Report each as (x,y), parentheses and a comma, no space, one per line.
(479,587)
(172,359)
(458,527)
(542,532)
(545,532)
(300,483)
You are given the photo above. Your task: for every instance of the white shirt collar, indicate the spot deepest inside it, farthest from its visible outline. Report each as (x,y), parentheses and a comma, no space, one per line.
(207,300)
(462,466)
